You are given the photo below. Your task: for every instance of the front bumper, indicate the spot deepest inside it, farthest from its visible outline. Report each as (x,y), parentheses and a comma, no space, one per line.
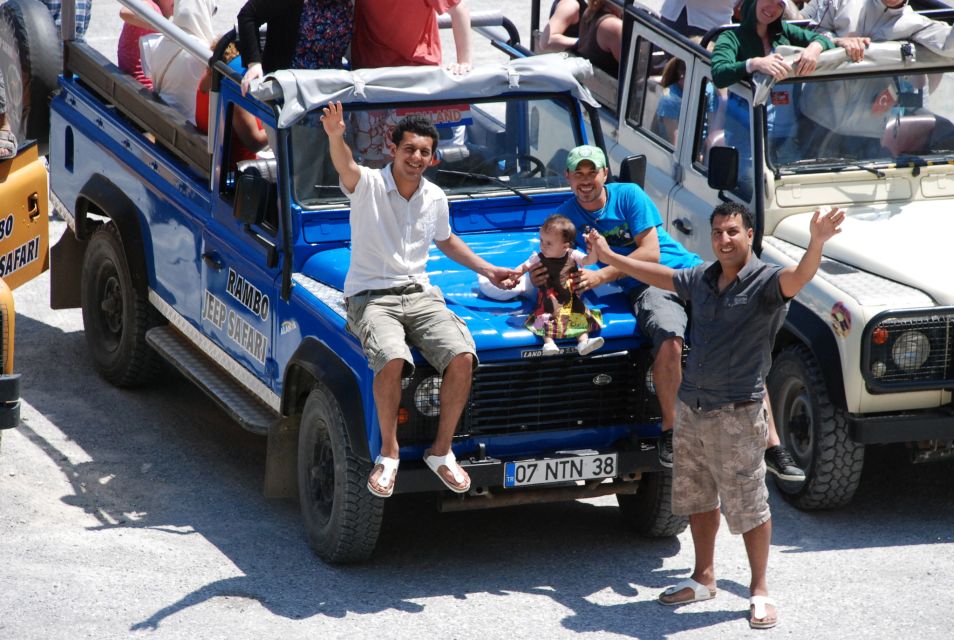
(415,477)
(910,426)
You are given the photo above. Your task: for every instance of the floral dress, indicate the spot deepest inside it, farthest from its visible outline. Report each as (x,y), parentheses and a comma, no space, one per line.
(560,312)
(324,33)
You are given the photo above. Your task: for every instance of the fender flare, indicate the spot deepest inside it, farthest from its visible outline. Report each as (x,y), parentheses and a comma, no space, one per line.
(314,361)
(803,326)
(100,194)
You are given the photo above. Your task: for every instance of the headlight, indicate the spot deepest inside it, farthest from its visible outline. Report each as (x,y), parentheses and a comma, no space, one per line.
(427,397)
(911,350)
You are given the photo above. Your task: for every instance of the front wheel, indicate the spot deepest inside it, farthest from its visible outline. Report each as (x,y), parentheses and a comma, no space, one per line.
(342,518)
(815,431)
(116,315)
(649,510)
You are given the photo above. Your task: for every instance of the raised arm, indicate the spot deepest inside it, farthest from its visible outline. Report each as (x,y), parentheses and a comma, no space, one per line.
(823,228)
(332,120)
(651,273)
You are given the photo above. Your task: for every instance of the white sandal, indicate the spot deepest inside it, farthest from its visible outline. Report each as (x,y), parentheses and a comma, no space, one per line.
(758,618)
(383,487)
(700,592)
(434,463)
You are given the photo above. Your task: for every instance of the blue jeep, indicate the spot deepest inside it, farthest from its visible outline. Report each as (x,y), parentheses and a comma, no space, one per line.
(233,273)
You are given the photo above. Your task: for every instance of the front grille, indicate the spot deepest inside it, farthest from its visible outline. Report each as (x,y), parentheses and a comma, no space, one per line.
(543,394)
(909,351)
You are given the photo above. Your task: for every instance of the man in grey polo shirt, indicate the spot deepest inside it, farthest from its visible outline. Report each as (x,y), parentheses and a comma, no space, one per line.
(395,214)
(737,305)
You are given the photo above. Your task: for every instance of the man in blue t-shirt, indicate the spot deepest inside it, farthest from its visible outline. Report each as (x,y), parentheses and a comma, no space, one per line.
(632,226)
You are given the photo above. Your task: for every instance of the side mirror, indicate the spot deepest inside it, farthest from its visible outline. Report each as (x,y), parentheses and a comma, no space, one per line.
(252,195)
(723,168)
(633,169)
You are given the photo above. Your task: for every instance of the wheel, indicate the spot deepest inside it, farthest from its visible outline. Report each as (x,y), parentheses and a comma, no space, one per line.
(649,510)
(342,518)
(815,431)
(519,165)
(30,61)
(115,315)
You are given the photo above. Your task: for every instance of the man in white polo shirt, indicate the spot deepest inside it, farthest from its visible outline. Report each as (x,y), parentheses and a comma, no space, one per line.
(395,213)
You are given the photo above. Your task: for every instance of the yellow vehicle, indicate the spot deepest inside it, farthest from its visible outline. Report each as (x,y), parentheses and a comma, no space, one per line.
(24,254)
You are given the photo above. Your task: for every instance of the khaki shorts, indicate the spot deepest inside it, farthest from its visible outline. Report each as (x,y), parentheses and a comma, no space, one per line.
(385,324)
(719,461)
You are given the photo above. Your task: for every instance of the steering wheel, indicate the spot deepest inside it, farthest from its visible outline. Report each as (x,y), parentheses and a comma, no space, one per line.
(518,165)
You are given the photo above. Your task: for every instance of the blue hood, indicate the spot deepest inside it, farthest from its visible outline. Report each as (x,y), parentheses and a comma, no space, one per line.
(494,324)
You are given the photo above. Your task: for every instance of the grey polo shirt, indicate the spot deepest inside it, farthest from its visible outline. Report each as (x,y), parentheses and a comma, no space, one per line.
(731,332)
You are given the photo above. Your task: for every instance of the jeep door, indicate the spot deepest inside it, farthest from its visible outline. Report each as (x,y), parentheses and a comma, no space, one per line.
(240,267)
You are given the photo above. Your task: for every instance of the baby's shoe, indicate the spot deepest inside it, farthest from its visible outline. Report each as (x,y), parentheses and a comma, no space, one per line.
(588,346)
(550,349)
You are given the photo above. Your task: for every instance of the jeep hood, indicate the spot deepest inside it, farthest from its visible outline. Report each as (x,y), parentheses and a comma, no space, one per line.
(910,244)
(494,324)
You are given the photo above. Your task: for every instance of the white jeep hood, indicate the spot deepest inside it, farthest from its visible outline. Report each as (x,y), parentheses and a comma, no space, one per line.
(911,244)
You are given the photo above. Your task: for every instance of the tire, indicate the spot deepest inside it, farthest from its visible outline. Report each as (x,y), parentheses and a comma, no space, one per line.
(649,510)
(342,519)
(814,431)
(115,315)
(30,61)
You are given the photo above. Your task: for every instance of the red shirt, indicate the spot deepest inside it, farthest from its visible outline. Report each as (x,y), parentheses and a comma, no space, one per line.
(239,151)
(395,33)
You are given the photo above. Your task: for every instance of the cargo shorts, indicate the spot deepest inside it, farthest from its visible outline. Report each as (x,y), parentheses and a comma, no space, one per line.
(387,323)
(718,461)
(661,315)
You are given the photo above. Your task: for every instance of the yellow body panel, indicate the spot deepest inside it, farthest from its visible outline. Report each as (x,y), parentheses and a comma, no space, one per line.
(24,220)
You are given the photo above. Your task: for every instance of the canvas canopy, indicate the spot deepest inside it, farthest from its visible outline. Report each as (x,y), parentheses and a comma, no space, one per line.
(297,91)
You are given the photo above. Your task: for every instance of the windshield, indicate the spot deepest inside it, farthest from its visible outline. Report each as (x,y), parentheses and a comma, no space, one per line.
(861,121)
(500,145)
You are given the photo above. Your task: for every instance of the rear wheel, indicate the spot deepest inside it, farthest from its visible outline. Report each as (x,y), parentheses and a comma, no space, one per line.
(342,518)
(649,510)
(115,315)
(30,61)
(815,431)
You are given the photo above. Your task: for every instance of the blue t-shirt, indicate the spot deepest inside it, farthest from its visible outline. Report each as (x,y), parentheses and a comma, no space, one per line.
(628,212)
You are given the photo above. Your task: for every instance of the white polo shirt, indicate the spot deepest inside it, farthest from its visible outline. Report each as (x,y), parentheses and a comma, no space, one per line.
(390,236)
(702,14)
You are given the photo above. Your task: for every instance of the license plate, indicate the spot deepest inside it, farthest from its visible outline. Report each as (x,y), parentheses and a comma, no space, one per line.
(567,469)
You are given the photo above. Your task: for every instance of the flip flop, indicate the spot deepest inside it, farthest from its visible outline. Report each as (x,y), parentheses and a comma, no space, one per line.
(758,612)
(700,592)
(8,144)
(383,487)
(460,476)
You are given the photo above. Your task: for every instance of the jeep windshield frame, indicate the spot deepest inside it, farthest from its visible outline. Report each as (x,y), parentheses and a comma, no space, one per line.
(515,139)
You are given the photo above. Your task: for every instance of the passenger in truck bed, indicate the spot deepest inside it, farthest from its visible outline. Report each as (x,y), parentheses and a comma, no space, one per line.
(397,33)
(601,35)
(299,35)
(128,57)
(248,135)
(175,73)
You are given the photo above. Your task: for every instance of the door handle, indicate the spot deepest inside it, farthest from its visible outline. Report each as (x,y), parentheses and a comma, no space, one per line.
(213,261)
(33,206)
(683,226)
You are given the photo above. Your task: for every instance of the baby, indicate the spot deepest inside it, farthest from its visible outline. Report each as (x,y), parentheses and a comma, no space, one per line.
(560,312)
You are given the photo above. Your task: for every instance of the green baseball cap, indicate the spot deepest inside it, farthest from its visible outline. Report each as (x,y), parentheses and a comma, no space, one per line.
(586,152)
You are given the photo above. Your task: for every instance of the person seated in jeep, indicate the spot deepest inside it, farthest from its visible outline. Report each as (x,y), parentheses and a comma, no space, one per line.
(630,221)
(850,118)
(395,213)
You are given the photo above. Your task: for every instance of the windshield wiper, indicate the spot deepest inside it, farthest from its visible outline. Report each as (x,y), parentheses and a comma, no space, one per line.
(488,178)
(837,164)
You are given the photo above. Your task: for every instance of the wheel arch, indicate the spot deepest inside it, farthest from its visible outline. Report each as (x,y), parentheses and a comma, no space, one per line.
(314,363)
(806,328)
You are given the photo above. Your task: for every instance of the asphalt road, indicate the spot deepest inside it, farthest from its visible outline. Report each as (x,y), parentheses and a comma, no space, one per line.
(140,514)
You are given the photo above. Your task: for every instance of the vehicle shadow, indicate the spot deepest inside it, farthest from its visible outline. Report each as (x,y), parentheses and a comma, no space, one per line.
(177,464)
